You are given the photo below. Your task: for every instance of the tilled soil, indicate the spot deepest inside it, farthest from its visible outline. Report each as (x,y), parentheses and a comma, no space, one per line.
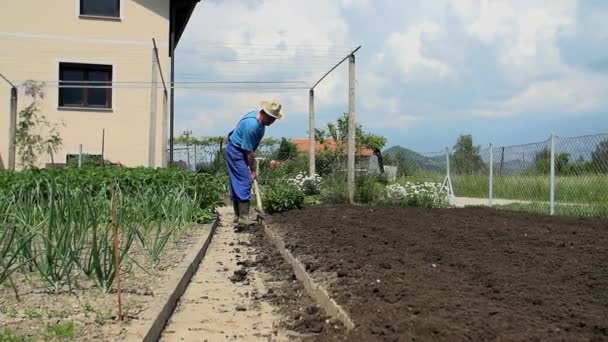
(456,274)
(244,291)
(300,314)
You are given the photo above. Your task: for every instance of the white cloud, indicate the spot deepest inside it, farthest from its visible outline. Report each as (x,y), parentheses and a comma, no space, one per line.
(273,40)
(524,33)
(355,4)
(407,50)
(577,93)
(411,70)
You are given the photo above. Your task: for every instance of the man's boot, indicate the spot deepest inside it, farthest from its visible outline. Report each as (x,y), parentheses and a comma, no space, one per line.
(244,219)
(235,207)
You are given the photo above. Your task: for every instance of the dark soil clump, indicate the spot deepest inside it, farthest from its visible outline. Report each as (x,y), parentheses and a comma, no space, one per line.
(287,294)
(456,274)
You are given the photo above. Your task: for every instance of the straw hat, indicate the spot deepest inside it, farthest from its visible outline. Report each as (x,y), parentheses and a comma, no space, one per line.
(273,108)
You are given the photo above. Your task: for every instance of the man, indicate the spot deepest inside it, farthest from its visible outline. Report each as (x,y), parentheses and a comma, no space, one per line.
(240,156)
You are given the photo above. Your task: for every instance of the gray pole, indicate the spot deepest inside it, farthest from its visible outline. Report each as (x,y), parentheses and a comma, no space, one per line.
(351,130)
(103,146)
(552,194)
(164,133)
(172,104)
(12,129)
(153,102)
(79,156)
(195,161)
(491,190)
(311,133)
(448,176)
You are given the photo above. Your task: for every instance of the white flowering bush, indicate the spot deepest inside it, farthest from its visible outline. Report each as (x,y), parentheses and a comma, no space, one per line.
(396,191)
(423,194)
(309,185)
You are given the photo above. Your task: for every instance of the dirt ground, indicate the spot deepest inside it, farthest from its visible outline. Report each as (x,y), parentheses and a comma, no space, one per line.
(475,274)
(91,312)
(244,291)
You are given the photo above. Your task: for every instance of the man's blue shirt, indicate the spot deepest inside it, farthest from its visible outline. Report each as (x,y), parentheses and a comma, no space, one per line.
(248,132)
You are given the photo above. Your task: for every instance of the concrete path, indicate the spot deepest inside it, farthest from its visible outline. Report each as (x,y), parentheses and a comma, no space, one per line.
(214,308)
(461,202)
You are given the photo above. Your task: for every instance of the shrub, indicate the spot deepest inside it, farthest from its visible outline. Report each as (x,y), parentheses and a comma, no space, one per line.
(369,189)
(426,194)
(333,190)
(282,196)
(310,185)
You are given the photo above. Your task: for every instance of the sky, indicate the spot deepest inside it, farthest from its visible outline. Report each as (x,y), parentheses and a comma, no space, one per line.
(508,72)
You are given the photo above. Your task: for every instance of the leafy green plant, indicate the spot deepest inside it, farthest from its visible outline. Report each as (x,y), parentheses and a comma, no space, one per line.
(58,222)
(31,139)
(424,194)
(8,335)
(282,196)
(60,331)
(369,189)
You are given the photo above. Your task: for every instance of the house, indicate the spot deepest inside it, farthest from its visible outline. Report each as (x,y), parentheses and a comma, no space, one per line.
(106,45)
(365,158)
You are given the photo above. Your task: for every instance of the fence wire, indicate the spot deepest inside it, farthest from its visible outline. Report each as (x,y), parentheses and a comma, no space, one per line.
(517,177)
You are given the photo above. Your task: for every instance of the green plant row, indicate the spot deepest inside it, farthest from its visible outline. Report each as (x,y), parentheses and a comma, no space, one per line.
(59,227)
(130,180)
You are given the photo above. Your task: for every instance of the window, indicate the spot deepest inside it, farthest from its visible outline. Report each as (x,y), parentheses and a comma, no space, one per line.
(72,75)
(100,8)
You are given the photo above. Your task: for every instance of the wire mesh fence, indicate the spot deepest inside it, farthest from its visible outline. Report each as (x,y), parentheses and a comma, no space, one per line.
(561,175)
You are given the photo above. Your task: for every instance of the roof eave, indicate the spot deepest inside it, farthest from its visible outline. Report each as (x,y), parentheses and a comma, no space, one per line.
(181,11)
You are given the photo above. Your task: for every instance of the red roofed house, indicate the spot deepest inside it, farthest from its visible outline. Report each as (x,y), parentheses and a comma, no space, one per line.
(366,160)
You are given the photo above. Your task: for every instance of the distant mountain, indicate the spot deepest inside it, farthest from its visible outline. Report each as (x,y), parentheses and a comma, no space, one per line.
(408,156)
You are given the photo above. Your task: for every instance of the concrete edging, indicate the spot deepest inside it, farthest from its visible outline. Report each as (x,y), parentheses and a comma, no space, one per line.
(315,290)
(151,326)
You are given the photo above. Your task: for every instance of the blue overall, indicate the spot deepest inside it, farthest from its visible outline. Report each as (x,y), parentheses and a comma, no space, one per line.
(244,138)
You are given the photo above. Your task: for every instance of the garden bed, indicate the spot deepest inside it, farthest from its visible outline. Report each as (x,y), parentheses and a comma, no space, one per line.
(456,274)
(88,314)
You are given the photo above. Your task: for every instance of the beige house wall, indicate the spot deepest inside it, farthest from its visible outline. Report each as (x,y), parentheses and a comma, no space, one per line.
(36,36)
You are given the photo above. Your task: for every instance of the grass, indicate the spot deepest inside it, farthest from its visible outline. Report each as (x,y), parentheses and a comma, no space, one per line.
(60,332)
(7,335)
(560,209)
(574,195)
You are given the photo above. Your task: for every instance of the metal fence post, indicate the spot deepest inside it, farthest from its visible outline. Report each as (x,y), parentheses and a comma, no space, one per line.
(552,179)
(195,160)
(79,156)
(491,190)
(311,133)
(447,182)
(351,130)
(12,128)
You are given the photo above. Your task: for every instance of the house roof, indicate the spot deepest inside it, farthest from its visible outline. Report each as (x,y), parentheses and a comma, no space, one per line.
(328,145)
(183,12)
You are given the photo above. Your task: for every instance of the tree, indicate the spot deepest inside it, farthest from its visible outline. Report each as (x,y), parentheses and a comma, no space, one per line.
(599,157)
(34,135)
(338,131)
(466,158)
(287,150)
(542,162)
(376,143)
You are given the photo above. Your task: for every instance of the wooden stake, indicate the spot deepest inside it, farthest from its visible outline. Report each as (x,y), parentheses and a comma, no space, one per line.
(116,259)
